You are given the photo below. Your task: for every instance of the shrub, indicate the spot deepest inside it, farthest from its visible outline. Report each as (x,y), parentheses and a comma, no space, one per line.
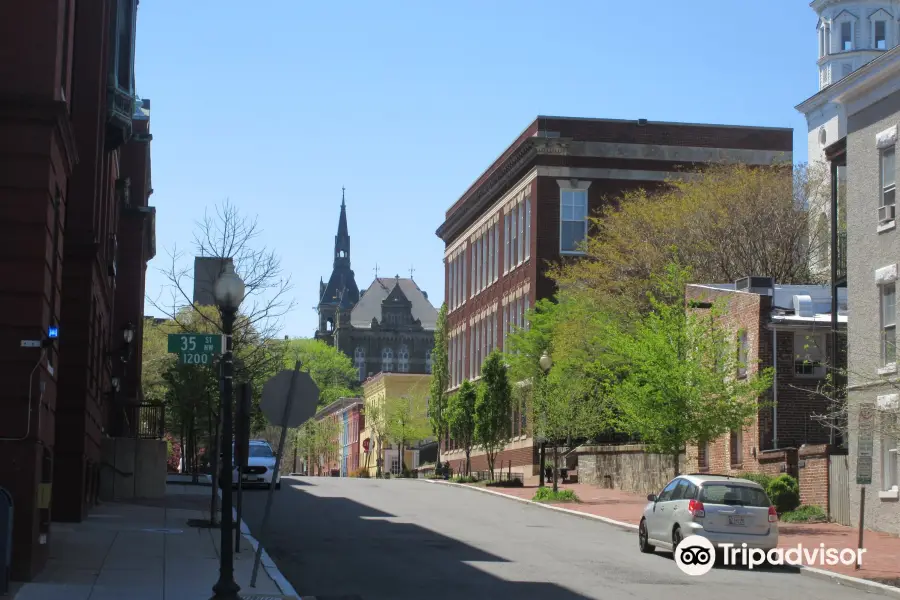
(760,478)
(464,479)
(514,482)
(784,492)
(805,514)
(546,494)
(362,473)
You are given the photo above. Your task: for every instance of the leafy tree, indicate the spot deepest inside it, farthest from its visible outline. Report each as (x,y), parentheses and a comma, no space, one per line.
(377,422)
(318,440)
(679,382)
(725,223)
(331,370)
(461,418)
(406,420)
(492,408)
(440,379)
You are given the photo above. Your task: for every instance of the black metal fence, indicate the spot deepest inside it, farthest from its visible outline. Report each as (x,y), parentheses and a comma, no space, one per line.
(145,421)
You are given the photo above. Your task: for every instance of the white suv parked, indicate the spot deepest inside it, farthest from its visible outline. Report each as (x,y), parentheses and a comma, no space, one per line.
(725,510)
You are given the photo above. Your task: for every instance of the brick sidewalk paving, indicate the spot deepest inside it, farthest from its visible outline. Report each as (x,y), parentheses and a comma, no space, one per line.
(881,562)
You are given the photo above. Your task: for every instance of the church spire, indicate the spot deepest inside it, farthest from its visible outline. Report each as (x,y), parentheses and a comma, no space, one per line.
(342,239)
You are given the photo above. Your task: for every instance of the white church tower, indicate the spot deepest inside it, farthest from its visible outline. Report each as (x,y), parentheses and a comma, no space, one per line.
(849,34)
(853,32)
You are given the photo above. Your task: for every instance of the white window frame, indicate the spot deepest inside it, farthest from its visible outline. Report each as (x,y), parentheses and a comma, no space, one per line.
(890,482)
(875,23)
(578,187)
(852,35)
(473,285)
(528,224)
(520,254)
(496,250)
(482,255)
(887,188)
(883,327)
(514,238)
(490,254)
(359,359)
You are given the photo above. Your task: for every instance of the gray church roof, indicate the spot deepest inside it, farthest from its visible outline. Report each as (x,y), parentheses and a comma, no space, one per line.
(369,305)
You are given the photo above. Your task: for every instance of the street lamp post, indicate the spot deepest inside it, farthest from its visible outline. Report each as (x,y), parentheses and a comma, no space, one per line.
(229,292)
(545,363)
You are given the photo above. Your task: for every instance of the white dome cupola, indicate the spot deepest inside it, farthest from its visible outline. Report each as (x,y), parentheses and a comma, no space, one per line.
(852,33)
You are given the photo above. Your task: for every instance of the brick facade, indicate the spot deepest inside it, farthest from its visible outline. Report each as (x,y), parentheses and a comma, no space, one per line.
(813,468)
(66,111)
(756,449)
(605,157)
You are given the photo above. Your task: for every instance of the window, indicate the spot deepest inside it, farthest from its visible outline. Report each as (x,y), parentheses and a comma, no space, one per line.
(506,242)
(881,35)
(703,456)
(737,447)
(666,494)
(889,451)
(505,325)
(527,224)
(428,362)
(359,360)
(482,243)
(846,36)
(573,220)
(809,354)
(513,242)
(451,271)
(474,283)
(387,360)
(472,353)
(743,352)
(526,323)
(490,255)
(492,335)
(403,359)
(888,174)
(496,251)
(888,324)
(521,250)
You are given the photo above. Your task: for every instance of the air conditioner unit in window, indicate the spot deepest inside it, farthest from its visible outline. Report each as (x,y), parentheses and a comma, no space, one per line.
(886,213)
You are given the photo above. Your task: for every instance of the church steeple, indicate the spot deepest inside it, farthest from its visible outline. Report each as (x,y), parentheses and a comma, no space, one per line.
(341,293)
(342,239)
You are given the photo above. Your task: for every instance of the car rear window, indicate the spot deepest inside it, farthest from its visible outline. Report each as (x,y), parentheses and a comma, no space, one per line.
(733,495)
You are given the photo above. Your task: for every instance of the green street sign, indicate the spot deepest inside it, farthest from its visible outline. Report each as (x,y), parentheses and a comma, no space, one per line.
(196,348)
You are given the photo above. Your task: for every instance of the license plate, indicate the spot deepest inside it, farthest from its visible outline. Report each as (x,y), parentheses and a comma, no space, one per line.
(736,520)
(249,478)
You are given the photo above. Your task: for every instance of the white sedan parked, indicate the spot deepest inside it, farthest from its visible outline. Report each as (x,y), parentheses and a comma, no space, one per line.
(724,510)
(260,466)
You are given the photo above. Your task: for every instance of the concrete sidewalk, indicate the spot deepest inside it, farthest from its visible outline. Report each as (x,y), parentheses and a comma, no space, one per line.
(881,562)
(145,550)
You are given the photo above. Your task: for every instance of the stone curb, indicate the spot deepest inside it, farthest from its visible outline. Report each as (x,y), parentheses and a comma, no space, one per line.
(837,578)
(266,561)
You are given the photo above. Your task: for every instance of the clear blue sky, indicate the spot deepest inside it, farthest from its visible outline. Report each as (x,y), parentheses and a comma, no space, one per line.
(276,105)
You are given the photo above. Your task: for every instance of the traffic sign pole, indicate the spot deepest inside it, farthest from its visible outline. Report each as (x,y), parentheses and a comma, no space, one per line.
(265,520)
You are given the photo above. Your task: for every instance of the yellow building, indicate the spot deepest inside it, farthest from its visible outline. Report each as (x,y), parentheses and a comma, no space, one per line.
(377,390)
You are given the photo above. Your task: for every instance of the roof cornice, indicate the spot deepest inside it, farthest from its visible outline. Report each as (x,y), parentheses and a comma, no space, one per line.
(859,81)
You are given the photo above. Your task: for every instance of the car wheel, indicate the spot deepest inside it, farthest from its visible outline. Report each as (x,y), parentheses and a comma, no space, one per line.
(676,538)
(643,538)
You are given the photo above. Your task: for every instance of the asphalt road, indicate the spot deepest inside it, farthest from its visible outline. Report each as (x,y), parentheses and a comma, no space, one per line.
(404,539)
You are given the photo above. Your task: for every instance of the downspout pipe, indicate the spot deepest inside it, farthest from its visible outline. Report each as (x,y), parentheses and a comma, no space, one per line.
(774,373)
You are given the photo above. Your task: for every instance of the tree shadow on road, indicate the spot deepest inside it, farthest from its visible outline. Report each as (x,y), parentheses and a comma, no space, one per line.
(333,546)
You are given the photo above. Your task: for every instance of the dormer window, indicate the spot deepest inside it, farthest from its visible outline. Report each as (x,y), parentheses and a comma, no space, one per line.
(880,37)
(846,36)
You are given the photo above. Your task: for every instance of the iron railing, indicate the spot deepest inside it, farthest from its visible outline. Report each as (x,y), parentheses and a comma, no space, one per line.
(145,421)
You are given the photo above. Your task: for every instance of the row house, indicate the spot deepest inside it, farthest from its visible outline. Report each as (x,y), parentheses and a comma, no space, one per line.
(785,328)
(346,417)
(78,231)
(532,206)
(856,121)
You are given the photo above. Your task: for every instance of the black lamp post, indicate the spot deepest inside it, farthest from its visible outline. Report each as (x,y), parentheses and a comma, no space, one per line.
(229,292)
(545,363)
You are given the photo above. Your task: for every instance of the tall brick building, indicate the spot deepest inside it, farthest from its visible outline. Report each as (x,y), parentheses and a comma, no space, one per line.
(77,231)
(531,206)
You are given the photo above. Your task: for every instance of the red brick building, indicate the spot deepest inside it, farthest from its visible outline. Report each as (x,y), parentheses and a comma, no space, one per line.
(531,206)
(77,231)
(792,322)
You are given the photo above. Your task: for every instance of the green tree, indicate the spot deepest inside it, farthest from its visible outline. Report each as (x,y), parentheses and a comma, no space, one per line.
(440,379)
(493,408)
(377,422)
(330,369)
(406,420)
(461,418)
(679,383)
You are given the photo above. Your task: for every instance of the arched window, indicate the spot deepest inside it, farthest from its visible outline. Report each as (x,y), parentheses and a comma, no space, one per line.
(359,361)
(387,360)
(403,359)
(428,361)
